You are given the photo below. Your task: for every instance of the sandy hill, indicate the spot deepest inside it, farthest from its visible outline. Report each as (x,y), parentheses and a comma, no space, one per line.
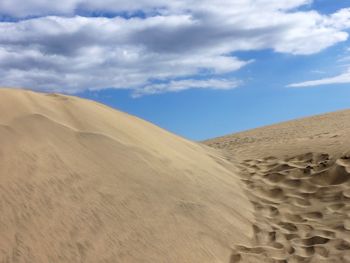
(297,176)
(328,132)
(80,182)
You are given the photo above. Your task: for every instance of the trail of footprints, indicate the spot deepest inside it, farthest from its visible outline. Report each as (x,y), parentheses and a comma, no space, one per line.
(302,209)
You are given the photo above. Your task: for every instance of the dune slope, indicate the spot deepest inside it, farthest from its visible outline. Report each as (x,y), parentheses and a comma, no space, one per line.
(327,132)
(80,182)
(297,176)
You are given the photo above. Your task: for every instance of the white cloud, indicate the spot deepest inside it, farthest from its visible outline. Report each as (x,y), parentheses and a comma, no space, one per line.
(340,79)
(179,85)
(340,19)
(20,8)
(174,40)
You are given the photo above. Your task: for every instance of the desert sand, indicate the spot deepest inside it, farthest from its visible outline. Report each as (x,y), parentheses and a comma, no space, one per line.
(297,176)
(81,182)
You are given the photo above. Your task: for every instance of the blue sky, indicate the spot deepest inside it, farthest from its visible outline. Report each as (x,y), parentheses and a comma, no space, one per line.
(262,100)
(200,69)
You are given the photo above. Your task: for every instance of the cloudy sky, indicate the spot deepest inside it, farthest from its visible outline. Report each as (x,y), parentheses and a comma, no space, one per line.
(200,68)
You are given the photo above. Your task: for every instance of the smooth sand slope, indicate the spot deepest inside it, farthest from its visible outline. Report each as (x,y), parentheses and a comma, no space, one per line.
(80,182)
(297,176)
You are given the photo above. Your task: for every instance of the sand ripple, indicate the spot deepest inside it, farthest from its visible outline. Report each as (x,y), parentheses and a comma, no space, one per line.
(302,209)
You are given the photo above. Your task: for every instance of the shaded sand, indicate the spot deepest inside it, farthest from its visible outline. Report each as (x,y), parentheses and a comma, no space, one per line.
(80,182)
(297,176)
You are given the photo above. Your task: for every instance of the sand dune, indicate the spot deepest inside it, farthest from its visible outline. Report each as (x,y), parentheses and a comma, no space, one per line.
(321,133)
(80,182)
(297,176)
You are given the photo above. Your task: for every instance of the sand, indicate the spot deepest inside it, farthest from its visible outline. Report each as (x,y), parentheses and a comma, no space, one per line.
(297,176)
(321,133)
(81,182)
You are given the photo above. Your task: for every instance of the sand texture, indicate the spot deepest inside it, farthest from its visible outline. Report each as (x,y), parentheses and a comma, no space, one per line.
(321,133)
(80,182)
(297,176)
